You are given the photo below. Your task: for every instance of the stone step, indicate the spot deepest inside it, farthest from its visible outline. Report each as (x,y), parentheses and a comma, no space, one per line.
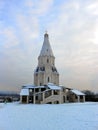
(52,98)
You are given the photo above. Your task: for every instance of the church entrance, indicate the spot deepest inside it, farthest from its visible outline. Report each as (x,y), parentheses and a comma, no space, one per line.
(30,99)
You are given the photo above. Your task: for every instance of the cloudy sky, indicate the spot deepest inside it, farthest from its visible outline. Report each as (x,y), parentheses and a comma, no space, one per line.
(72,26)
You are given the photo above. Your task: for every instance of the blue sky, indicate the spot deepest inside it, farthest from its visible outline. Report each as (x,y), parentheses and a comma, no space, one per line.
(73,32)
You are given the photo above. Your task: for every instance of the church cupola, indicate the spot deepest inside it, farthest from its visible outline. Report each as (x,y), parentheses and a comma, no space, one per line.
(46,70)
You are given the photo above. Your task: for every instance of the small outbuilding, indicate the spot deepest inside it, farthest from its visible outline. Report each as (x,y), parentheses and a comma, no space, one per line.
(76,96)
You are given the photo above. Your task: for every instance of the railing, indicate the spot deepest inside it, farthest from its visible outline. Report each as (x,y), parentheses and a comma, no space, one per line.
(51,98)
(46,96)
(48,93)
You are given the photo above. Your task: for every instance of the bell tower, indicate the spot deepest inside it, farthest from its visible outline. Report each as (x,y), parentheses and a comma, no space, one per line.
(46,71)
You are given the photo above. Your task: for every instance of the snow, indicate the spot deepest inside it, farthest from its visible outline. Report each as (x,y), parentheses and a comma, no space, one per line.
(32,86)
(53,87)
(77,92)
(24,92)
(28,86)
(50,85)
(69,116)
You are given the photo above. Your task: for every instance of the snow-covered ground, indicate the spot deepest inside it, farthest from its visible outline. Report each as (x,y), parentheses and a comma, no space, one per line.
(72,116)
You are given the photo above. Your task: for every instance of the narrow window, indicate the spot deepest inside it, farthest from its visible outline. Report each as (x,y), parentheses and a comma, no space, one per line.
(48,79)
(44,68)
(40,84)
(47,60)
(36,97)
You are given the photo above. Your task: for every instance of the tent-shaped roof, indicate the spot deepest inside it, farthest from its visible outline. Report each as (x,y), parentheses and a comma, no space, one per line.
(46,48)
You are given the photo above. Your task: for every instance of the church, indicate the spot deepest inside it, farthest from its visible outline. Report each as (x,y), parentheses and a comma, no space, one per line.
(46,88)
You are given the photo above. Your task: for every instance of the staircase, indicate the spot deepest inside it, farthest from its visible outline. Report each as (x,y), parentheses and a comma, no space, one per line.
(51,99)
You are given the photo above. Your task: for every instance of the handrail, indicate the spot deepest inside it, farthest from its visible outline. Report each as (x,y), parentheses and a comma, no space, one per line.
(41,92)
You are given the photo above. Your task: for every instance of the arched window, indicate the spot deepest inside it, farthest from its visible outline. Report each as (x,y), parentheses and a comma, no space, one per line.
(48,79)
(47,60)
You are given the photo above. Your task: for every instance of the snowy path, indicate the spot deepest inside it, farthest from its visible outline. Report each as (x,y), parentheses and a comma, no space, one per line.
(73,116)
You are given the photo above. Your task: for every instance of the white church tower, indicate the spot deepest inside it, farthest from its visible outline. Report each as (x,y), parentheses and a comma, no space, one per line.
(46,71)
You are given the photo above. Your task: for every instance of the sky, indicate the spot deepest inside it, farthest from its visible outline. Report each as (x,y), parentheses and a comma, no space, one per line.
(72,26)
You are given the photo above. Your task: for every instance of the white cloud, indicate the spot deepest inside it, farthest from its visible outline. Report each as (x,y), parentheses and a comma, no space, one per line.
(29,3)
(93,8)
(39,8)
(73,35)
(43,6)
(28,27)
(10,38)
(72,27)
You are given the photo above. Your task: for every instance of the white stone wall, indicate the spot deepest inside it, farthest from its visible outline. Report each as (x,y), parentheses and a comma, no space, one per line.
(46,60)
(41,77)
